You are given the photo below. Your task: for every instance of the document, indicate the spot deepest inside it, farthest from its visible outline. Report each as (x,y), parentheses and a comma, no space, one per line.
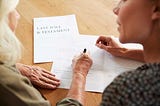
(104,69)
(50,34)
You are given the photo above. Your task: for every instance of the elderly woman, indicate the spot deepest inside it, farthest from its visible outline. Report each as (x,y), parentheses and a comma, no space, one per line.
(15,88)
(139,22)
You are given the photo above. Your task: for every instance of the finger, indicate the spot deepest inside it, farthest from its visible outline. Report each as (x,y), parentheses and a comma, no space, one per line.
(79,57)
(101,38)
(39,81)
(102,46)
(50,76)
(87,53)
(104,40)
(86,56)
(83,56)
(49,81)
(42,69)
(47,72)
(44,85)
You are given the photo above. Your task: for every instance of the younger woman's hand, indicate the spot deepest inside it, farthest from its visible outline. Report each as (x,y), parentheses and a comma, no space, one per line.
(82,63)
(111,45)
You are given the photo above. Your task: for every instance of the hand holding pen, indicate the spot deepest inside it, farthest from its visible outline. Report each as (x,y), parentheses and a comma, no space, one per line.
(82,63)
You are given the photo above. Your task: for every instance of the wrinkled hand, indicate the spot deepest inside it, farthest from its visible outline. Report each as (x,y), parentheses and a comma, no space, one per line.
(82,63)
(39,76)
(110,45)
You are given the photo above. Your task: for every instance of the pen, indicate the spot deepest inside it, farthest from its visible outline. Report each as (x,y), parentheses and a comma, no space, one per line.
(84,51)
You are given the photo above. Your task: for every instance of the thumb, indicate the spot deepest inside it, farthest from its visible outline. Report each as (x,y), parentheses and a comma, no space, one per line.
(102,46)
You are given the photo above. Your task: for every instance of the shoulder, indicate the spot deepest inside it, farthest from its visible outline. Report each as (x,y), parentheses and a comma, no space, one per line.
(136,87)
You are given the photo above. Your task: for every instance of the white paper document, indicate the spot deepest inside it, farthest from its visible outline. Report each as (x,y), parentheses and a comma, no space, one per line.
(104,69)
(50,34)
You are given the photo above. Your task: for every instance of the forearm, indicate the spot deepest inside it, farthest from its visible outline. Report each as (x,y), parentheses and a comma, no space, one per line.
(81,65)
(77,89)
(134,54)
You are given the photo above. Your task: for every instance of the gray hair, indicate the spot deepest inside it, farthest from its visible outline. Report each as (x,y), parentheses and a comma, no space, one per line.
(10,47)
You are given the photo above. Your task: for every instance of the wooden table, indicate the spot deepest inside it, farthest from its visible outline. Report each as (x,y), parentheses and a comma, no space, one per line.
(94,17)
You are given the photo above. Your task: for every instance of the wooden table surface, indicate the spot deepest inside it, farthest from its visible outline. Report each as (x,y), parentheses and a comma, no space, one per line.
(94,17)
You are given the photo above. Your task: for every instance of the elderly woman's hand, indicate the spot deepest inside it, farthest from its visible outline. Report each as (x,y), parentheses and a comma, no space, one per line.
(81,64)
(38,76)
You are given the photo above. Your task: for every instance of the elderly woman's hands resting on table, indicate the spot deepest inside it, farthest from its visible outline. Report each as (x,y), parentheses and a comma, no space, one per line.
(39,76)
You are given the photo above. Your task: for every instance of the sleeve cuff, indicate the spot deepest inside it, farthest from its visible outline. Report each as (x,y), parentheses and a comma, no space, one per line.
(68,102)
